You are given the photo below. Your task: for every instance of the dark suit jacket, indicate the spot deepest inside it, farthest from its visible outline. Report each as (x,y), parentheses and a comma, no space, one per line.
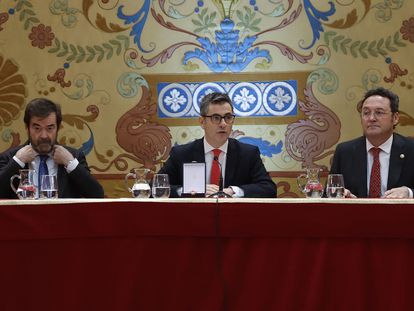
(350,159)
(78,184)
(244,168)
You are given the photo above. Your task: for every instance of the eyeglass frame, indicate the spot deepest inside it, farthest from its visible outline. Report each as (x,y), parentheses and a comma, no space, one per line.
(378,114)
(216,115)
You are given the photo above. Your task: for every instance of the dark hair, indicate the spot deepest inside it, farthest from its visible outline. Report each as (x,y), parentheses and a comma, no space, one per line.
(394,100)
(214,98)
(42,107)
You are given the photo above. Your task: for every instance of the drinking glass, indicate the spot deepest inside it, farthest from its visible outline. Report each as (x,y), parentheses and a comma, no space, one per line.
(48,187)
(335,186)
(160,186)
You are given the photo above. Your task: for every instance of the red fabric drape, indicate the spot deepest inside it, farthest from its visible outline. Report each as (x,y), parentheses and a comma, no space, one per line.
(204,256)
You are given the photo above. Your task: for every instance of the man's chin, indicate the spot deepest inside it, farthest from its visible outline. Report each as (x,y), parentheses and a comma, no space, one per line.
(43,149)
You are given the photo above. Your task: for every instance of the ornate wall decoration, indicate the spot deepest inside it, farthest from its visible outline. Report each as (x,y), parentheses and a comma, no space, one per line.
(12,94)
(149,142)
(307,140)
(250,98)
(224,49)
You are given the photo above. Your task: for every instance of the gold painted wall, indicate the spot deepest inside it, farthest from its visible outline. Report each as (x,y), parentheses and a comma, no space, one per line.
(101,60)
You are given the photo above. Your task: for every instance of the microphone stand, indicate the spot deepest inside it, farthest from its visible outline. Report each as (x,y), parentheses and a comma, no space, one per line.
(220,193)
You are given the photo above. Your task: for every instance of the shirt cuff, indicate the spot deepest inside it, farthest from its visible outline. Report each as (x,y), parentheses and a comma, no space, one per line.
(410,193)
(238,192)
(19,162)
(72,165)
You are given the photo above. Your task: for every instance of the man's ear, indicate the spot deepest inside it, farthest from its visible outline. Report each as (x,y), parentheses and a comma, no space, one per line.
(396,118)
(201,120)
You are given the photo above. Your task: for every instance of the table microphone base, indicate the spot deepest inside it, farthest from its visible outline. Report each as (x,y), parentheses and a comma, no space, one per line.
(220,194)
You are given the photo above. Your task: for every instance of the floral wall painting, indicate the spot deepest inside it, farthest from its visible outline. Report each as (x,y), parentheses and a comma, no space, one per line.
(130,74)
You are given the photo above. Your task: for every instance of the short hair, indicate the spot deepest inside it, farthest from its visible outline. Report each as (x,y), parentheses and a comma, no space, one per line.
(42,107)
(215,98)
(394,100)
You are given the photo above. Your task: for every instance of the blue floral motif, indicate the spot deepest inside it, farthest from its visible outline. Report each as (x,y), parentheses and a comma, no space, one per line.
(279,98)
(244,99)
(140,19)
(175,101)
(314,17)
(227,53)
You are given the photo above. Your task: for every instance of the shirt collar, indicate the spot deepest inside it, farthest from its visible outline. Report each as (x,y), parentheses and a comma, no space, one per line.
(208,148)
(386,146)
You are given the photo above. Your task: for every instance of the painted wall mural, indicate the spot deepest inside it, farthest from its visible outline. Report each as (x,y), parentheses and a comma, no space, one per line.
(129,74)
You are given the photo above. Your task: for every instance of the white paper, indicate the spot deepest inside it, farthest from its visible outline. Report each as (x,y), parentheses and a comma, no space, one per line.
(194,178)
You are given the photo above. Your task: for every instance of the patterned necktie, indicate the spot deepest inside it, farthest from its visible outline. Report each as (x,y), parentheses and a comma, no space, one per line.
(215,168)
(43,170)
(375,179)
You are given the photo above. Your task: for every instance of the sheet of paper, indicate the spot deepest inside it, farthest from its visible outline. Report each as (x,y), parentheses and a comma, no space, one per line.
(194,178)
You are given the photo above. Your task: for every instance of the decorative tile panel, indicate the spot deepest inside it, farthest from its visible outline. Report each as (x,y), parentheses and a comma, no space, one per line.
(250,98)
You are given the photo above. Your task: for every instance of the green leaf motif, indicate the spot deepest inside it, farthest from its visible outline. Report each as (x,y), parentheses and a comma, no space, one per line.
(382,46)
(88,53)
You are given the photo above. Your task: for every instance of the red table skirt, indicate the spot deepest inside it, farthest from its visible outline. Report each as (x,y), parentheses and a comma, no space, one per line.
(279,255)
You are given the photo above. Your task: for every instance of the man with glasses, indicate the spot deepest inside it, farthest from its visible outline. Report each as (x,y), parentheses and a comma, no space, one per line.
(242,169)
(378,164)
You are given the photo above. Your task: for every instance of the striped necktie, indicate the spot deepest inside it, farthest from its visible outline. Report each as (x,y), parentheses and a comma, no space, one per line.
(43,170)
(375,178)
(215,168)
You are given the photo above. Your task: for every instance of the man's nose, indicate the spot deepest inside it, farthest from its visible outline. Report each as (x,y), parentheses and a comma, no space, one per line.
(222,122)
(43,133)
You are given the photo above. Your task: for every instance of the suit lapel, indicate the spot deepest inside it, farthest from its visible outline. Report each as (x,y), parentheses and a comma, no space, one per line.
(360,165)
(396,162)
(62,180)
(231,163)
(198,153)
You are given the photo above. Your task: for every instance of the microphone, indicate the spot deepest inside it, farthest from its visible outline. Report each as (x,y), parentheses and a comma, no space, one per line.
(220,193)
(221,175)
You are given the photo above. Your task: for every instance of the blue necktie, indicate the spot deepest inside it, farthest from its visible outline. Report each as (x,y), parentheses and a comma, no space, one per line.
(43,170)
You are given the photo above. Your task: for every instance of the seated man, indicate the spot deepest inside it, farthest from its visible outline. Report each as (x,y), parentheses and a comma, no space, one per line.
(42,119)
(243,171)
(380,163)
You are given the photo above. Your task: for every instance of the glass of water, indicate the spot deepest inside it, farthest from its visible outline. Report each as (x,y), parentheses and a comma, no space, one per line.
(48,187)
(335,186)
(161,186)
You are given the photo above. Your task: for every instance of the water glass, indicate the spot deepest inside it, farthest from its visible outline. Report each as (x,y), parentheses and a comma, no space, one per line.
(335,186)
(48,187)
(161,186)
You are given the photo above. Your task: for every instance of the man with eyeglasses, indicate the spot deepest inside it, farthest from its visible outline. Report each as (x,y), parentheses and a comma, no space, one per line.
(244,174)
(378,164)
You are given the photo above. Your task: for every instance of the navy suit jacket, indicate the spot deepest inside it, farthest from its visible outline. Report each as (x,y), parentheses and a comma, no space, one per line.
(350,159)
(244,168)
(78,184)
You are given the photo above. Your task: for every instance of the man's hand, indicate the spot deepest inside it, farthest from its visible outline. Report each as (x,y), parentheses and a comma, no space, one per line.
(397,193)
(229,191)
(26,154)
(210,189)
(349,194)
(61,155)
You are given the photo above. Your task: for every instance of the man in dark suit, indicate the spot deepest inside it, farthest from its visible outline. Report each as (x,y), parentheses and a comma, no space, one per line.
(243,171)
(356,159)
(42,120)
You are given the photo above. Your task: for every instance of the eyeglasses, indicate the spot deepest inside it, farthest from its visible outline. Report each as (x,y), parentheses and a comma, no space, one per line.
(216,118)
(378,114)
